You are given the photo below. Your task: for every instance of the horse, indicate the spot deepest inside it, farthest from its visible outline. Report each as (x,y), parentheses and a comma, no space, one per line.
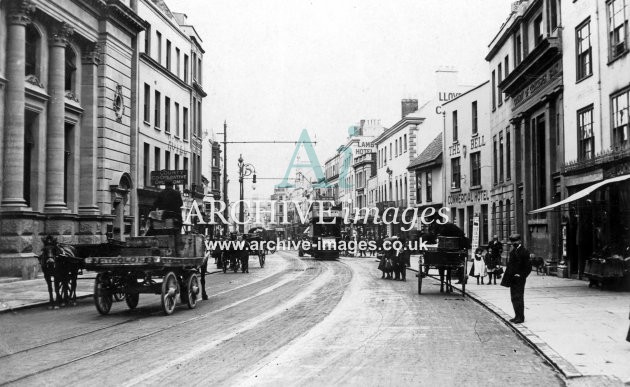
(60,266)
(447,230)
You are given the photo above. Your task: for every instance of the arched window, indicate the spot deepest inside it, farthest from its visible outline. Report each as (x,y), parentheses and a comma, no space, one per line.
(494,219)
(33,51)
(500,217)
(71,69)
(508,217)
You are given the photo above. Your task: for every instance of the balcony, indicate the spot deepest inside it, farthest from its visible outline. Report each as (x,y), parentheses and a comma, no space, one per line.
(365,158)
(548,50)
(198,88)
(614,155)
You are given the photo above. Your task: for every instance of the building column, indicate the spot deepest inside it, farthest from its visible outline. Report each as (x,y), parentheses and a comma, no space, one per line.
(89,125)
(19,16)
(526,169)
(55,136)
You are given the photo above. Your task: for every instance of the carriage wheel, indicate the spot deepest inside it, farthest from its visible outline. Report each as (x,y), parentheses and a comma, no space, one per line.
(102,295)
(170,290)
(132,300)
(192,290)
(261,259)
(420,273)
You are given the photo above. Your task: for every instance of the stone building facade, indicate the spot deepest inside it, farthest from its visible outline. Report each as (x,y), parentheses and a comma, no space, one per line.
(66,119)
(532,87)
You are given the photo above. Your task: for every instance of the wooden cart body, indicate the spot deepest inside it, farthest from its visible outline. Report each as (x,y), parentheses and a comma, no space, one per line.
(175,259)
(448,254)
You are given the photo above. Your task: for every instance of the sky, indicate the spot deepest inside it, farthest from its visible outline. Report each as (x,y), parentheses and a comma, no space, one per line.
(273,68)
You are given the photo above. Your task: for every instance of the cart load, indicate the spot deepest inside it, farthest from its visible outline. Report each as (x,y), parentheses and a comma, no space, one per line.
(176,259)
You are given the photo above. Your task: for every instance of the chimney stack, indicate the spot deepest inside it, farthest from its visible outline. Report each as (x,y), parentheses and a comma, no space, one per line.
(409,106)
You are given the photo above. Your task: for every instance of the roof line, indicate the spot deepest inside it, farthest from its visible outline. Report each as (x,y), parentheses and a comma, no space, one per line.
(467,92)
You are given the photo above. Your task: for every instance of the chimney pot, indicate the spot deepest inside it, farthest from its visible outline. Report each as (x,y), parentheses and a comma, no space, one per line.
(409,106)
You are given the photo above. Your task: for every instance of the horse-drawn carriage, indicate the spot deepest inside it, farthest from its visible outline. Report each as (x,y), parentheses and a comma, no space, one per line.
(257,240)
(235,253)
(448,255)
(176,259)
(449,251)
(126,269)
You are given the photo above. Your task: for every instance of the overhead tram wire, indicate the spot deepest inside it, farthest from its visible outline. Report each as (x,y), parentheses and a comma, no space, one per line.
(270,142)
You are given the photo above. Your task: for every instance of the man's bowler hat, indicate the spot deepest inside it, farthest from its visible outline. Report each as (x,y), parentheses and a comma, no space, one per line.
(515,237)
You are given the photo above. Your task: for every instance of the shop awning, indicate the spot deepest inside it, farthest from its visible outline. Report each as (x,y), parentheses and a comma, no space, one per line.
(582,193)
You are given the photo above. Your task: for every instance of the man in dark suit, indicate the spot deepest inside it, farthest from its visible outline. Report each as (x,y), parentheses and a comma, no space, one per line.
(516,272)
(495,247)
(170,200)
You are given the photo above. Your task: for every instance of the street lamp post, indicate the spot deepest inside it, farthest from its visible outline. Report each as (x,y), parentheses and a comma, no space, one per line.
(244,170)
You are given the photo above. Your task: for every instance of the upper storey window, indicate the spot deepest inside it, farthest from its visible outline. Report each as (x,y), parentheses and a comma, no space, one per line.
(33,52)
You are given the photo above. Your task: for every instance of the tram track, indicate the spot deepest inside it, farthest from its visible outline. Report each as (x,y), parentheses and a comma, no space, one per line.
(294,263)
(151,314)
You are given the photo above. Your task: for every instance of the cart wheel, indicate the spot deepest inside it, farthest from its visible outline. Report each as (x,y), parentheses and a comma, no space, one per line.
(192,290)
(132,300)
(170,290)
(420,274)
(261,259)
(102,296)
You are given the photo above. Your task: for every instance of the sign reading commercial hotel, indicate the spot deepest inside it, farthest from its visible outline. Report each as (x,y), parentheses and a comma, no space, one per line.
(468,197)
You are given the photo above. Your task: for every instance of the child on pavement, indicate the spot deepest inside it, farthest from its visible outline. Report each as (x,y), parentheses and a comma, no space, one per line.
(479,266)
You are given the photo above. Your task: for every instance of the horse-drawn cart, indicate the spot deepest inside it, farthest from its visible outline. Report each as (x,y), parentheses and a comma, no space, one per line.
(449,254)
(175,259)
(256,243)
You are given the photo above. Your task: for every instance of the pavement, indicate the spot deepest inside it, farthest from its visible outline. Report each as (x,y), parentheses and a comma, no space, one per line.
(16,294)
(581,330)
